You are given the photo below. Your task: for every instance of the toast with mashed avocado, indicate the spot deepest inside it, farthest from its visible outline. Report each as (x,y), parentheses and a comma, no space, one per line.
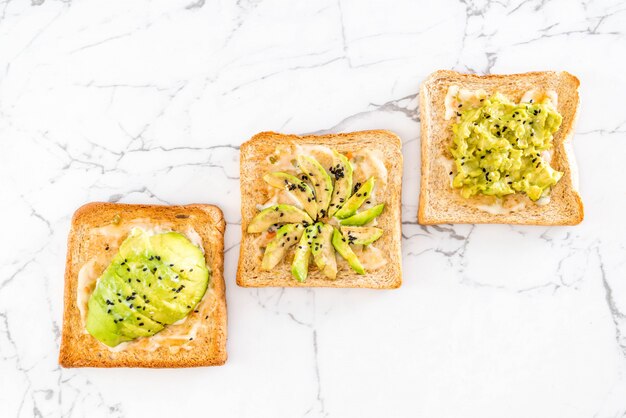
(144,287)
(321,211)
(497,149)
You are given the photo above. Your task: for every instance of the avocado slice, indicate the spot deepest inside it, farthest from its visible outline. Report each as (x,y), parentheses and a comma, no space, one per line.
(278,214)
(341,171)
(300,265)
(321,181)
(365,217)
(322,250)
(286,236)
(341,245)
(301,190)
(153,281)
(361,235)
(357,199)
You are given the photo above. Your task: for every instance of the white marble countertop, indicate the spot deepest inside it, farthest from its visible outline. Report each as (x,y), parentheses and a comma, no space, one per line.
(148,102)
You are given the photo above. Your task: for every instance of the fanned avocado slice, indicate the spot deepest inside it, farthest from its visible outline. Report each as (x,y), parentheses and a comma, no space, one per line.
(286,237)
(322,250)
(365,217)
(153,281)
(300,265)
(301,190)
(357,199)
(278,214)
(342,173)
(320,180)
(341,245)
(361,235)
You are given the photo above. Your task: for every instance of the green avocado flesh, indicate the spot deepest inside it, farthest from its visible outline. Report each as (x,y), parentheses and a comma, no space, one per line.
(323,194)
(297,187)
(341,171)
(300,265)
(278,214)
(343,248)
(321,181)
(153,281)
(357,199)
(361,235)
(322,250)
(497,148)
(286,237)
(365,217)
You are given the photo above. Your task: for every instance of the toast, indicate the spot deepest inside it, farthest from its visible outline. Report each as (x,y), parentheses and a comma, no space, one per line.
(254,162)
(96,232)
(441,203)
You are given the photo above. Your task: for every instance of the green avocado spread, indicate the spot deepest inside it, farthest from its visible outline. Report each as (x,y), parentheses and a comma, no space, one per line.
(153,281)
(498,148)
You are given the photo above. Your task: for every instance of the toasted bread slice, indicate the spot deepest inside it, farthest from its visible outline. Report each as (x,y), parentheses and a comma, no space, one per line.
(96,232)
(441,203)
(254,164)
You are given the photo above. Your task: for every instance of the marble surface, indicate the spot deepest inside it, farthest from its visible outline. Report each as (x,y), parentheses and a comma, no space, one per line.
(148,102)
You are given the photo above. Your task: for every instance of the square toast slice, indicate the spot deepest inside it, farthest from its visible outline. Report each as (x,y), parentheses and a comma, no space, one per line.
(254,163)
(441,203)
(96,232)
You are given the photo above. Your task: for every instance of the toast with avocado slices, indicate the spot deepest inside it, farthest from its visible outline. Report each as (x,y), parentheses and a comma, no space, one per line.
(144,287)
(321,211)
(497,149)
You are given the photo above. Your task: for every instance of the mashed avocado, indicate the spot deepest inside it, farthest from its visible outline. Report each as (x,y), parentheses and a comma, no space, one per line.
(498,148)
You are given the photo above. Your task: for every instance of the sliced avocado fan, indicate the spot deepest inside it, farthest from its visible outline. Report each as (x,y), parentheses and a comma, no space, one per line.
(321,181)
(278,214)
(286,237)
(343,248)
(341,171)
(365,217)
(322,250)
(301,190)
(321,194)
(357,199)
(153,281)
(361,235)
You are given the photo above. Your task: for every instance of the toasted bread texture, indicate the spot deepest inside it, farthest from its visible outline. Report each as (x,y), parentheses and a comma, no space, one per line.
(96,232)
(254,164)
(441,203)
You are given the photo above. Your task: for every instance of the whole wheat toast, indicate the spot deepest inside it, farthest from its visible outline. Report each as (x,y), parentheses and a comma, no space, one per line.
(86,241)
(253,165)
(441,203)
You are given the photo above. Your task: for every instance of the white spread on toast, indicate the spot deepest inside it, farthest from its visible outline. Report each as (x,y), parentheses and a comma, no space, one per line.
(537,95)
(456,96)
(175,336)
(498,208)
(492,205)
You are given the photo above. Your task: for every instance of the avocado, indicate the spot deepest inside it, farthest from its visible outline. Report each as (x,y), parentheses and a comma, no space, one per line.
(499,148)
(278,214)
(341,245)
(365,217)
(321,182)
(322,250)
(342,173)
(153,281)
(300,264)
(286,236)
(361,235)
(357,199)
(301,190)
